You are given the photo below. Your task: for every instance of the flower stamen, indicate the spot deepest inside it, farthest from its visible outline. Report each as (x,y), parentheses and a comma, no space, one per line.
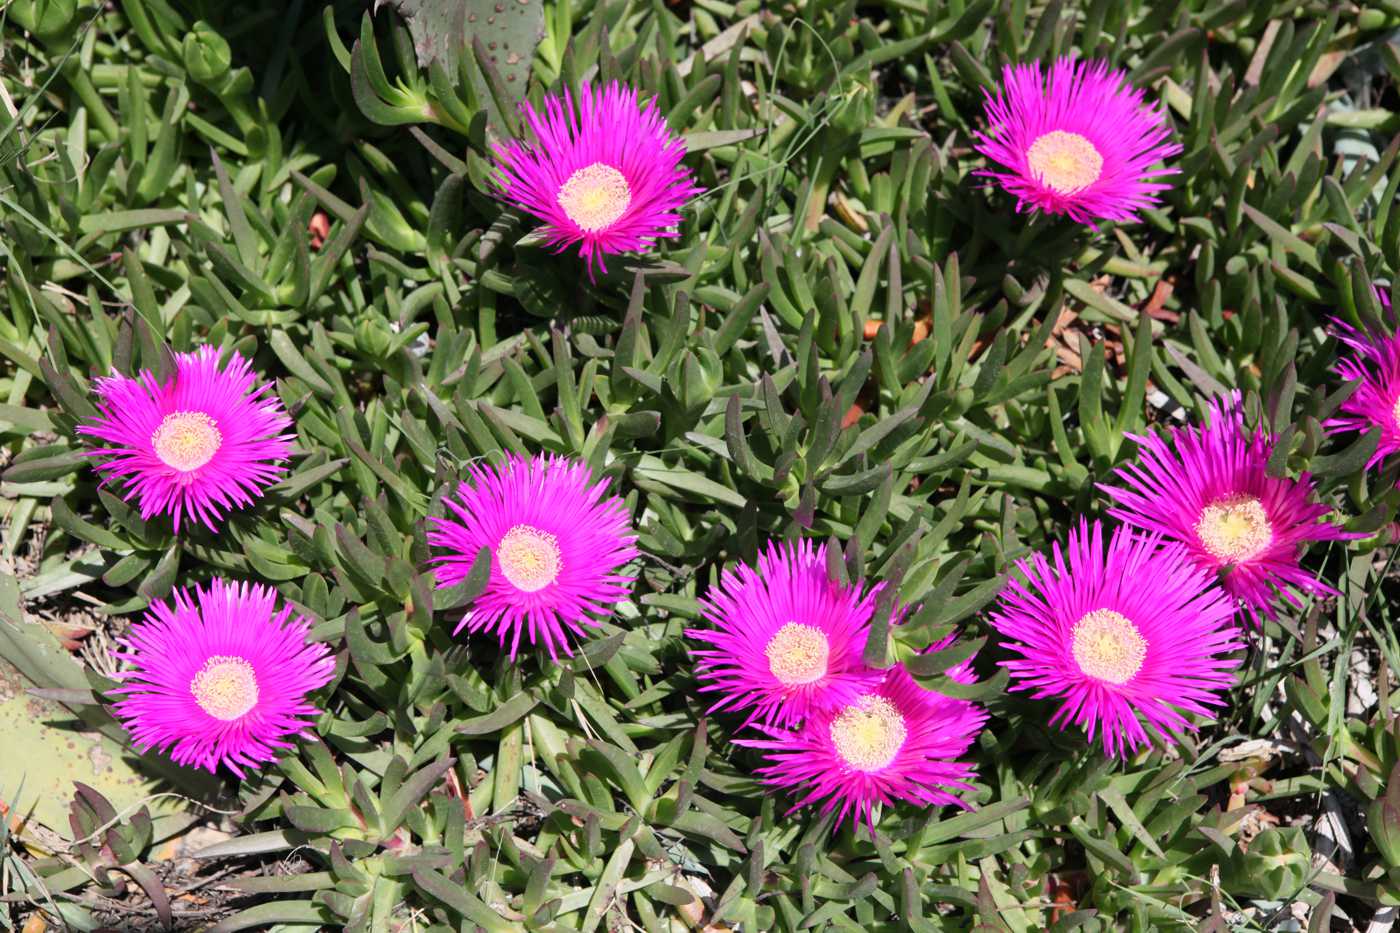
(529,558)
(226,687)
(1108,646)
(186,440)
(1234,528)
(595,196)
(1065,162)
(798,654)
(869,733)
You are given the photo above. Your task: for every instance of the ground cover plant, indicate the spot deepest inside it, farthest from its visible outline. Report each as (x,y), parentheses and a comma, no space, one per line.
(692,465)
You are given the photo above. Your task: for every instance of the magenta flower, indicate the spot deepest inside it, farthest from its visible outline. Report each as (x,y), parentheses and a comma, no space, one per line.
(202,443)
(557,541)
(219,677)
(1210,490)
(1375,366)
(785,639)
(890,742)
(1129,638)
(1083,145)
(601,171)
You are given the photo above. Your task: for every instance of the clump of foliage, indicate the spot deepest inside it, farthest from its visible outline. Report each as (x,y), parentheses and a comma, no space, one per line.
(852,339)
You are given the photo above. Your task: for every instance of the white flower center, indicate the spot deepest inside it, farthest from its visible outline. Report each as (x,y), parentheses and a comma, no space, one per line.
(1395,414)
(1234,528)
(529,558)
(1108,646)
(869,733)
(226,687)
(595,196)
(186,440)
(798,654)
(1067,162)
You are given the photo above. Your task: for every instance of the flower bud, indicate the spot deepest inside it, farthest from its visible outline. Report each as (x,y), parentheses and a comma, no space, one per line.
(855,110)
(206,53)
(373,338)
(1276,865)
(701,373)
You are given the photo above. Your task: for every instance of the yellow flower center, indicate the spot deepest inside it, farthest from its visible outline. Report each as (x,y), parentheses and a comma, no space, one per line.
(529,558)
(226,687)
(798,654)
(186,440)
(1108,646)
(868,733)
(1395,414)
(595,196)
(1234,528)
(1066,162)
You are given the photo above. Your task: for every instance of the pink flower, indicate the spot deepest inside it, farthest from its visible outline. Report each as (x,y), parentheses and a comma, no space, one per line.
(204,442)
(1128,638)
(1375,366)
(557,541)
(785,640)
(1209,489)
(1081,145)
(894,741)
(220,677)
(600,171)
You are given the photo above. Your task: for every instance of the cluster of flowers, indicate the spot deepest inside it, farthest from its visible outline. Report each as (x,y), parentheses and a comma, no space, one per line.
(787,644)
(1132,635)
(221,676)
(1133,632)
